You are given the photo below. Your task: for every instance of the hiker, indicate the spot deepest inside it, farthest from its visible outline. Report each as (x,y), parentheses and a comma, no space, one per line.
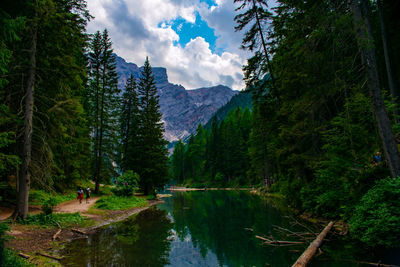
(87,195)
(80,195)
(377,158)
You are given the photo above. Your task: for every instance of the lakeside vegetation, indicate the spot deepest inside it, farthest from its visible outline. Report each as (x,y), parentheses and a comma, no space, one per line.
(319,115)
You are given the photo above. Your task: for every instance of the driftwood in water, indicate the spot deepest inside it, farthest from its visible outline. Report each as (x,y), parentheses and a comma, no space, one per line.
(56,234)
(277,242)
(312,248)
(78,231)
(49,256)
(24,255)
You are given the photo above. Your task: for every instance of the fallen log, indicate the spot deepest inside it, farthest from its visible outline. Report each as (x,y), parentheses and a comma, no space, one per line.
(283,242)
(24,255)
(312,248)
(56,234)
(49,256)
(78,231)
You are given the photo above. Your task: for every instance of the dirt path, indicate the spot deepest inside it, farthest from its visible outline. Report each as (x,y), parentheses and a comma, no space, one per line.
(73,206)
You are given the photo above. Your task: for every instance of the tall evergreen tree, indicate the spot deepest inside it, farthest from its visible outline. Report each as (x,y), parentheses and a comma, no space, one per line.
(104,101)
(153,151)
(48,64)
(365,40)
(178,162)
(129,121)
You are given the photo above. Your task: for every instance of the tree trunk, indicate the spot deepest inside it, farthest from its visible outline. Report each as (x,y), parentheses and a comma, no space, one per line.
(366,46)
(24,177)
(392,86)
(100,148)
(266,53)
(307,255)
(96,134)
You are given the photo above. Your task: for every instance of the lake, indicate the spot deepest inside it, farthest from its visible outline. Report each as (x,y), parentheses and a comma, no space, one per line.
(213,228)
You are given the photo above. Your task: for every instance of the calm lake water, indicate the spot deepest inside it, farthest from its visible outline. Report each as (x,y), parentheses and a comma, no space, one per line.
(212,228)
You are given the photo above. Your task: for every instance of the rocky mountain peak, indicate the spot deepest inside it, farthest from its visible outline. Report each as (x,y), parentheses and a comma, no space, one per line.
(182,110)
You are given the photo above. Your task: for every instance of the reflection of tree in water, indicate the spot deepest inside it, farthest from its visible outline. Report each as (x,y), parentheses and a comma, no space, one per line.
(216,222)
(139,241)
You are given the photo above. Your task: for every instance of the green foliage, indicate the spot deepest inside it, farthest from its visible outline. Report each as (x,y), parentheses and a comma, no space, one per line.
(119,203)
(376,218)
(64,219)
(126,184)
(103,106)
(129,121)
(40,197)
(153,155)
(11,259)
(221,149)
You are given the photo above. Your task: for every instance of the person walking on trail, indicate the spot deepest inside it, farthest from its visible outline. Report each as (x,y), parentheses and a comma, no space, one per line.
(87,195)
(80,195)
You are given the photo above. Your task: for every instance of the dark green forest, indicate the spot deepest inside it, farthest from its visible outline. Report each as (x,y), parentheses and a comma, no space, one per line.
(324,77)
(63,118)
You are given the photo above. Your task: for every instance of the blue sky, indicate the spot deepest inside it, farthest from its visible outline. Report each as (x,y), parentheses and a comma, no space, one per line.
(188,31)
(194,39)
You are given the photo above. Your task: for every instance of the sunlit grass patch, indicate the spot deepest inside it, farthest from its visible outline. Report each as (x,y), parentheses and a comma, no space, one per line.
(40,197)
(63,219)
(119,203)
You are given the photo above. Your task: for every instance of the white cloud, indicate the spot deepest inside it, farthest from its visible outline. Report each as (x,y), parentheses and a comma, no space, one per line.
(134,29)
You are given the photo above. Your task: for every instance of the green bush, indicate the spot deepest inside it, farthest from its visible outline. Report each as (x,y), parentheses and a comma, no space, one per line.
(119,203)
(376,220)
(48,206)
(127,184)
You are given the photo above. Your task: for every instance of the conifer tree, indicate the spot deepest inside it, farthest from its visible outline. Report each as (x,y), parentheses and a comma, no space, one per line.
(104,103)
(129,121)
(153,151)
(178,162)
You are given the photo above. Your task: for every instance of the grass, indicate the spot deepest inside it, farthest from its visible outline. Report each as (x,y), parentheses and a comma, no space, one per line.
(40,197)
(119,203)
(64,219)
(11,259)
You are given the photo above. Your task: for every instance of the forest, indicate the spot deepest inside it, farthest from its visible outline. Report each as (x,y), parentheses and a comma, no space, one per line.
(63,118)
(324,77)
(324,80)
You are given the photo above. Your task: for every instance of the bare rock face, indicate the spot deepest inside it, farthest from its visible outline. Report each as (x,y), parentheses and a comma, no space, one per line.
(182,110)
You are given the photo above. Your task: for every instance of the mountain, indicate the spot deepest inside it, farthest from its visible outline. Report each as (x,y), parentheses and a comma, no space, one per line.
(182,110)
(241,100)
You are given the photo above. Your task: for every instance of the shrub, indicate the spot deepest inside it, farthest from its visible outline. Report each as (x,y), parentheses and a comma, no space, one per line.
(376,220)
(48,206)
(127,183)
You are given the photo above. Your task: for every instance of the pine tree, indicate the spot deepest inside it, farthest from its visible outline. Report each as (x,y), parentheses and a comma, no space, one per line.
(178,162)
(129,121)
(104,101)
(153,151)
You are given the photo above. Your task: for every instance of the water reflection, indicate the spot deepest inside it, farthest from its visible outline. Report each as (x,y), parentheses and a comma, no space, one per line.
(212,228)
(142,240)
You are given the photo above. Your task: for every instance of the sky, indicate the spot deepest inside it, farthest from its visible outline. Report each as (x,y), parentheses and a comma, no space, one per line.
(194,39)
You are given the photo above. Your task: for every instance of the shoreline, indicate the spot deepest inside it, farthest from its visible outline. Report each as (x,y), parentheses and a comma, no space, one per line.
(34,240)
(207,189)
